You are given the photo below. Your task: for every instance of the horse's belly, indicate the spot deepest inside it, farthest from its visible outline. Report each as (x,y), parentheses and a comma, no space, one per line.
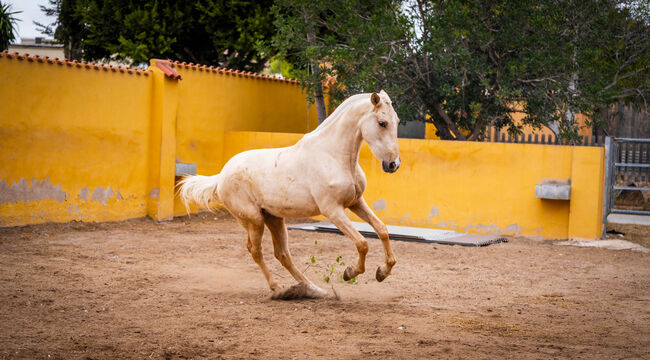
(291,203)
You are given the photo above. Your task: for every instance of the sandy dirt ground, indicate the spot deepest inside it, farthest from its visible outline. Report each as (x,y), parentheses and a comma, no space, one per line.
(189,289)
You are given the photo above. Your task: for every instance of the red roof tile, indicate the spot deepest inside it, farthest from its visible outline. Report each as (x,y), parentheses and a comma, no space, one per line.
(73,63)
(168,69)
(227,71)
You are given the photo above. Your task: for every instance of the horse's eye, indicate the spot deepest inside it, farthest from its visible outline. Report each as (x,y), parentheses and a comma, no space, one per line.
(382,124)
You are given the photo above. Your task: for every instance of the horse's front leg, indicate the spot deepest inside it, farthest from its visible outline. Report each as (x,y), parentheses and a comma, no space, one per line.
(363,211)
(338,218)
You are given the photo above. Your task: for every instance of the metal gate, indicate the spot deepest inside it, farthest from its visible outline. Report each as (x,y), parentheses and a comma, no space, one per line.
(626,160)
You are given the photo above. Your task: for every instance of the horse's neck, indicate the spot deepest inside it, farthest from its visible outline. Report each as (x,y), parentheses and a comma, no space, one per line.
(342,138)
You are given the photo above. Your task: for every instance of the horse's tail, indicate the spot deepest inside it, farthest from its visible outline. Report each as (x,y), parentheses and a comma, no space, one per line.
(198,189)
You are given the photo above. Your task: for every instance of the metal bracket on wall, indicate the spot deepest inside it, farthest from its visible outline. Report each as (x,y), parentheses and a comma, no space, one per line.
(554,189)
(183,169)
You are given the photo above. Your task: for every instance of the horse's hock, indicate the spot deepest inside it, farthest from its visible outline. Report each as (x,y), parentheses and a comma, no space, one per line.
(83,142)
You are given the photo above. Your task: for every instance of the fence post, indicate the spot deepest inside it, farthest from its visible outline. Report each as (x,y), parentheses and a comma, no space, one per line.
(608,183)
(162,153)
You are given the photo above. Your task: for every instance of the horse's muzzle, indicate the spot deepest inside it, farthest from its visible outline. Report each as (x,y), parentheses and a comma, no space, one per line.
(391,166)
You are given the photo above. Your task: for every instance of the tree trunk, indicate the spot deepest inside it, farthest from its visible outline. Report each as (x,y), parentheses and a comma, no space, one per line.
(442,130)
(315,70)
(319,99)
(452,131)
(554,126)
(570,114)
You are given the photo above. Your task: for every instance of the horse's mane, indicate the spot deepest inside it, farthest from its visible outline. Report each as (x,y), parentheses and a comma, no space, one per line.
(340,110)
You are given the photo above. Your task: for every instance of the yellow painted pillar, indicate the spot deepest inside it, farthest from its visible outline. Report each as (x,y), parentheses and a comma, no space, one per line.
(587,182)
(162,154)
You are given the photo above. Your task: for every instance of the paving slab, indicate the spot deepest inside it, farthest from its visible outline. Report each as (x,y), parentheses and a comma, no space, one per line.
(605,244)
(408,233)
(628,219)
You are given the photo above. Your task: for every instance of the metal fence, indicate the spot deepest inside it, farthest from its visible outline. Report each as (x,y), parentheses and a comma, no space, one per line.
(632,160)
(627,163)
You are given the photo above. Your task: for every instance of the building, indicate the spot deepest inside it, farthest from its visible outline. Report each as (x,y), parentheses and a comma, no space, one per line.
(38,46)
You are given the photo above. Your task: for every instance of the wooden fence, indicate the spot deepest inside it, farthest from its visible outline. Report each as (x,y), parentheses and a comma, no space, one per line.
(493,134)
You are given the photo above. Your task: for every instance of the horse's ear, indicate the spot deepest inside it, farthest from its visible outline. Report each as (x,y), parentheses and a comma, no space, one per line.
(374,99)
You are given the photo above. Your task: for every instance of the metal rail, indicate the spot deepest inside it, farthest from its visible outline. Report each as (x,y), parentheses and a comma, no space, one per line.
(629,212)
(632,165)
(631,188)
(632,140)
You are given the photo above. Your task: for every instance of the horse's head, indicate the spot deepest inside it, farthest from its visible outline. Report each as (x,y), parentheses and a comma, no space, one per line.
(379,130)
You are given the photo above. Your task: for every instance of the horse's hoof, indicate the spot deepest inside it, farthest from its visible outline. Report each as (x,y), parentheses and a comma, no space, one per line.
(347,274)
(380,275)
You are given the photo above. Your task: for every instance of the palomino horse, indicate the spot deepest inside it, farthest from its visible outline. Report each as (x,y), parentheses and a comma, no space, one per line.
(320,174)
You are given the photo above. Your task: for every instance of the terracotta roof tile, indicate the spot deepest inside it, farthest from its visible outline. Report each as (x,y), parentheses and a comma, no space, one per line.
(126,70)
(234,72)
(73,63)
(168,69)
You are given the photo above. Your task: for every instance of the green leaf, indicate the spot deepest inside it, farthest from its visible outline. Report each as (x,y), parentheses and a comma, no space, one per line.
(352,281)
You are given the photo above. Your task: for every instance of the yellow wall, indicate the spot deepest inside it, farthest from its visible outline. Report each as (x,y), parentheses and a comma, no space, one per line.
(488,188)
(69,132)
(96,143)
(430,132)
(212,101)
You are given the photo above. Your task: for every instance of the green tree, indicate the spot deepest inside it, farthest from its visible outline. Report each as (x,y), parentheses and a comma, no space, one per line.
(211,32)
(466,64)
(7,25)
(300,38)
(67,29)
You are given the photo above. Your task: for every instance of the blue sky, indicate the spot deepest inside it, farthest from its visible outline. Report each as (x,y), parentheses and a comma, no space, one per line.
(30,12)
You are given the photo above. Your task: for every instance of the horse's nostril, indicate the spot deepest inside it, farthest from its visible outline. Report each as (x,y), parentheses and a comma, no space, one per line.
(390,167)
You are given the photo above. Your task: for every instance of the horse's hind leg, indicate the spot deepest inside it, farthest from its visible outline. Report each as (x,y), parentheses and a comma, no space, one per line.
(281,250)
(255,231)
(280,246)
(362,210)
